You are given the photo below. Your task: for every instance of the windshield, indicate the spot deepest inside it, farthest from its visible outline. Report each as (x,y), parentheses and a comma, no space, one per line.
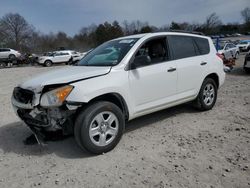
(243,42)
(48,54)
(108,54)
(221,46)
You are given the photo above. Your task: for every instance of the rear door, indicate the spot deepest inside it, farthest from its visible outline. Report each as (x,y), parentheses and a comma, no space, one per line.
(190,64)
(228,52)
(65,56)
(233,50)
(57,57)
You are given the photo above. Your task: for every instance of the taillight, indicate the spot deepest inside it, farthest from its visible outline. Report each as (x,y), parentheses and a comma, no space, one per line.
(220,56)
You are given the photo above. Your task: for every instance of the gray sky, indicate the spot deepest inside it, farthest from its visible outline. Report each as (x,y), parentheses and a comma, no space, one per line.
(70,15)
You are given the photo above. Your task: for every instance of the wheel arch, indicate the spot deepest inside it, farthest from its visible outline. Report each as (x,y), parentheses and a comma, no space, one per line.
(215,77)
(115,98)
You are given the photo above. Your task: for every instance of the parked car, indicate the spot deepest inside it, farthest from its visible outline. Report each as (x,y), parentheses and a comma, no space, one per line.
(8,53)
(77,56)
(244,45)
(56,57)
(120,80)
(229,50)
(246,66)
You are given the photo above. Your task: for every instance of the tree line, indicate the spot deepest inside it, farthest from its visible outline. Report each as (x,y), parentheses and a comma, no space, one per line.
(17,33)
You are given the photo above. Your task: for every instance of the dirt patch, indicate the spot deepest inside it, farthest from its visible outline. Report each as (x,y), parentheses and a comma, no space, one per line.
(177,147)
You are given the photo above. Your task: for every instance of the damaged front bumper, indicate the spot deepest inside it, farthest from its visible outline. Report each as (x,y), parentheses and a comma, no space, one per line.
(39,119)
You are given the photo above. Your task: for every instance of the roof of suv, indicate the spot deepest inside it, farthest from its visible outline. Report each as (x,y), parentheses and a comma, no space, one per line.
(160,34)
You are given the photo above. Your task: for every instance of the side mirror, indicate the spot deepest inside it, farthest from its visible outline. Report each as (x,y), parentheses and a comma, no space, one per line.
(140,61)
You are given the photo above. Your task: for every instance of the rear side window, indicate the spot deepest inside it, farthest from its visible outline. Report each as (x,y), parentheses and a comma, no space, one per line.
(4,50)
(182,46)
(202,44)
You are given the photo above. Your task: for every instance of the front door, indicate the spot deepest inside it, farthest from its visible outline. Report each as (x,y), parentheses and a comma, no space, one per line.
(152,84)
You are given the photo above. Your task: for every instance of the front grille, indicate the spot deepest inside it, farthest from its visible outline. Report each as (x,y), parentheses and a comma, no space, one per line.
(23,95)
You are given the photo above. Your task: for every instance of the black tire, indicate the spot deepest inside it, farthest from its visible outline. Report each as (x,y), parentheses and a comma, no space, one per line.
(70,62)
(12,57)
(86,118)
(2,65)
(48,63)
(199,102)
(247,70)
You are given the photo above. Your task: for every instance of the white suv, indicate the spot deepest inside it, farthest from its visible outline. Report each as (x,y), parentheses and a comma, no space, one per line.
(64,56)
(118,81)
(244,45)
(7,53)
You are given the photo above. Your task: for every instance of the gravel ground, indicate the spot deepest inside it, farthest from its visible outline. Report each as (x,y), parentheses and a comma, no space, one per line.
(177,147)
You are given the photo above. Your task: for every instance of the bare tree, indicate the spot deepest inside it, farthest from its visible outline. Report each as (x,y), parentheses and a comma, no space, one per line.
(15,29)
(245,13)
(212,21)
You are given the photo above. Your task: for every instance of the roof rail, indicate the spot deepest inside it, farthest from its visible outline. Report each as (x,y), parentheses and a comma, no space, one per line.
(185,31)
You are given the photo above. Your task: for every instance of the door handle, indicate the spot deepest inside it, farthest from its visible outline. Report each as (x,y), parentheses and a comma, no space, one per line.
(171,69)
(203,63)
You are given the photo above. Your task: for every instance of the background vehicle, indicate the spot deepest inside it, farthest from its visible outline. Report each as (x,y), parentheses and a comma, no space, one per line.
(9,53)
(56,57)
(246,66)
(77,56)
(244,45)
(120,80)
(229,50)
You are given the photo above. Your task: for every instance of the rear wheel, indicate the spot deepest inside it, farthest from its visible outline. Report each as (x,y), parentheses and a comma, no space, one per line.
(70,62)
(207,95)
(48,63)
(12,57)
(99,127)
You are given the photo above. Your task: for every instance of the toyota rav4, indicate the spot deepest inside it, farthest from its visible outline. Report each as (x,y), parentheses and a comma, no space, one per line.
(118,81)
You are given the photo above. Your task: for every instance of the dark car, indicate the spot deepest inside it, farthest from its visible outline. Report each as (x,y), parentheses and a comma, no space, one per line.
(247,63)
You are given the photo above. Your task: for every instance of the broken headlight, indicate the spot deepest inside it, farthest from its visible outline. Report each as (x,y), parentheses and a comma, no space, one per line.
(56,97)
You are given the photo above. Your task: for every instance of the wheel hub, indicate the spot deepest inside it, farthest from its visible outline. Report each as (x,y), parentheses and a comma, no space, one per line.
(103,127)
(208,94)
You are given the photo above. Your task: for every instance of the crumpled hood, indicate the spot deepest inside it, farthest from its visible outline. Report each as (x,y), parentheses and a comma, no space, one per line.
(63,76)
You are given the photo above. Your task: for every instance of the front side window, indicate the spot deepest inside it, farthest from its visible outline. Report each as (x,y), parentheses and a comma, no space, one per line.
(64,53)
(57,54)
(108,54)
(182,46)
(155,49)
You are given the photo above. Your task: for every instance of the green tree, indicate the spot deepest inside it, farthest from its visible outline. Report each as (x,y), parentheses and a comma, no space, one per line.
(146,29)
(175,26)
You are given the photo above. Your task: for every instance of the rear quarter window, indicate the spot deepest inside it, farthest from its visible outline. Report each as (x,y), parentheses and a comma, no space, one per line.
(202,45)
(181,46)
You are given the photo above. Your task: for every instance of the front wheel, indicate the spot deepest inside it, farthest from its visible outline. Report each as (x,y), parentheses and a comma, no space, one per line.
(247,70)
(99,127)
(207,95)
